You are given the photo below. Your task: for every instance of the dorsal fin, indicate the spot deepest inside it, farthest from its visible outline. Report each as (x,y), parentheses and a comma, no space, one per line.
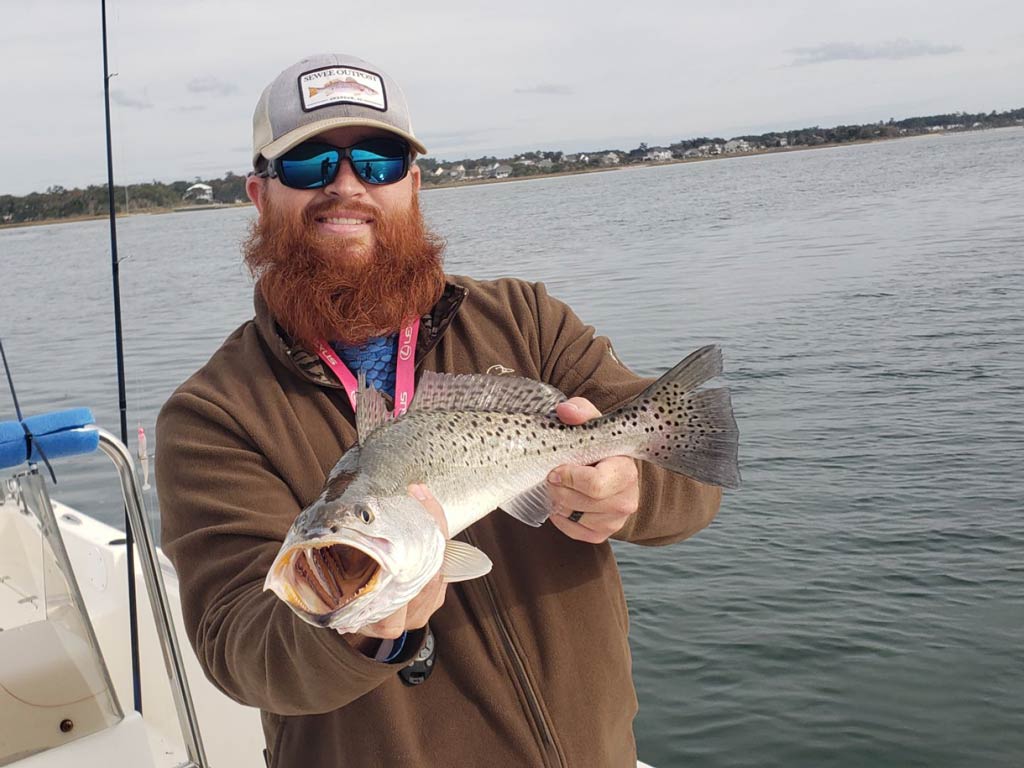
(371,410)
(481,392)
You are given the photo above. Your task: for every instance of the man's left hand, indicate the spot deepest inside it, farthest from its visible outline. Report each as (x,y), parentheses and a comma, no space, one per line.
(603,496)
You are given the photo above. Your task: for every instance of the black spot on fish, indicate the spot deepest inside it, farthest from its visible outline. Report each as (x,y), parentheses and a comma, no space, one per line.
(337,484)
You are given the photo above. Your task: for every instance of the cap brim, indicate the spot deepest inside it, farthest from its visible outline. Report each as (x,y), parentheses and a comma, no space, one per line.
(293,138)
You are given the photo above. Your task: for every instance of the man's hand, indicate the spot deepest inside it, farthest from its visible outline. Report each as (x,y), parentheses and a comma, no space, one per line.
(417,611)
(606,493)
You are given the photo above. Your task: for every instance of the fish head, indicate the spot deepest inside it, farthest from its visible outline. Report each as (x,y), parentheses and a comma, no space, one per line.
(348,563)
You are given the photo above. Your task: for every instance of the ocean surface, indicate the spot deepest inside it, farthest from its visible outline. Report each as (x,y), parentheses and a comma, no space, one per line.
(860,601)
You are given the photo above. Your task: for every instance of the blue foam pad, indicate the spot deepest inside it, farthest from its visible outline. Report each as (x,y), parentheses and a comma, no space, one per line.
(59,433)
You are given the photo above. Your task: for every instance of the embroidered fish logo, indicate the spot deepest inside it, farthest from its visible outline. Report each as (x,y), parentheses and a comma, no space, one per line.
(345,85)
(500,370)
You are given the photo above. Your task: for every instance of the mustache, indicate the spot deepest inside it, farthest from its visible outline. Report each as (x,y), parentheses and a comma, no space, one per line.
(320,209)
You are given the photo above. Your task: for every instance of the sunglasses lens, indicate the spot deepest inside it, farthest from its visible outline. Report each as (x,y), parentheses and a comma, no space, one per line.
(309,166)
(380,161)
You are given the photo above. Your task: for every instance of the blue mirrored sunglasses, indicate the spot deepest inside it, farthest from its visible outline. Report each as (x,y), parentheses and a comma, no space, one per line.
(314,164)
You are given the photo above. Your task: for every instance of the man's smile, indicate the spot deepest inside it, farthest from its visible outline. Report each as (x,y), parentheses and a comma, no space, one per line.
(345,223)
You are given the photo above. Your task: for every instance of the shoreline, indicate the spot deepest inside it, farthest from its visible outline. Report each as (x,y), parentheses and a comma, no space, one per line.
(531,177)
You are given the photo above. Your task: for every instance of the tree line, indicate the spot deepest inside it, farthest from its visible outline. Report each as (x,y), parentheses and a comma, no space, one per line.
(60,203)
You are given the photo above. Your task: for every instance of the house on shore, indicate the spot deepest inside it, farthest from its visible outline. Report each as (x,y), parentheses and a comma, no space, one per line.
(199,193)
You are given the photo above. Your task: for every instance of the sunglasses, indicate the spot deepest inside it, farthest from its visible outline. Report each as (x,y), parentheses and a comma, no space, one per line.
(314,164)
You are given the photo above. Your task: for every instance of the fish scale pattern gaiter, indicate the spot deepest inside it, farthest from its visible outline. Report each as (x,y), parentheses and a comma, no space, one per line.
(375,358)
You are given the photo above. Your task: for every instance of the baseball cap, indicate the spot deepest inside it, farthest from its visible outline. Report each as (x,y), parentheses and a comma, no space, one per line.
(323,92)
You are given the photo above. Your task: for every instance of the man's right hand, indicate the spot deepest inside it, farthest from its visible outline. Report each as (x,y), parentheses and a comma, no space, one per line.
(415,613)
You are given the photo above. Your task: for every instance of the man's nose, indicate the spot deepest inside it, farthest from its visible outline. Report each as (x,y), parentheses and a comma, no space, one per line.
(346,183)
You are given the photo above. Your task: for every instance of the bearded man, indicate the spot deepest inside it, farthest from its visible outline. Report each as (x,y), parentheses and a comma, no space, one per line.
(528,666)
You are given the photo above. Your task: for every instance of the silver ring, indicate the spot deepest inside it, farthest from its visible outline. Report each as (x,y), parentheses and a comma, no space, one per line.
(575,516)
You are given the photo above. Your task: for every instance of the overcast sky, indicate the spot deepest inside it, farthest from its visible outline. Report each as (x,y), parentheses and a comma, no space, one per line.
(533,74)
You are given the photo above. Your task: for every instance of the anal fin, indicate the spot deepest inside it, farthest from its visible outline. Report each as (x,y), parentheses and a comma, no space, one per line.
(532,507)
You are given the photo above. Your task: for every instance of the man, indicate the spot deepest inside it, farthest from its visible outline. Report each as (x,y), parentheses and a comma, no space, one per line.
(530,665)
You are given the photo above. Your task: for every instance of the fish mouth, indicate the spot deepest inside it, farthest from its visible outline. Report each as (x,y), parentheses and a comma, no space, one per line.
(320,578)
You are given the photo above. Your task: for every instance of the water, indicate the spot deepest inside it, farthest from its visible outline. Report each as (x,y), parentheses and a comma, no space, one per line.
(860,602)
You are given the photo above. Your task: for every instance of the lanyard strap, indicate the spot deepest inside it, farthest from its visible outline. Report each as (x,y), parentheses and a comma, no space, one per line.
(404,373)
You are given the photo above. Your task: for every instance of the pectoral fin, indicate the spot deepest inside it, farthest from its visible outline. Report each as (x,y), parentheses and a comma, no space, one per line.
(463,562)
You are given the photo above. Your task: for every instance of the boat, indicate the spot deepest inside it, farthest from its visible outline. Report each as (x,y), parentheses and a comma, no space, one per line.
(66,668)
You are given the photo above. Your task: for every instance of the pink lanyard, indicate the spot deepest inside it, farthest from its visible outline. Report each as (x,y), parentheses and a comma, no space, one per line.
(404,374)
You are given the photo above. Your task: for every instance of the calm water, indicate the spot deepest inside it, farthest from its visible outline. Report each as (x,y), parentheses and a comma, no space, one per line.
(860,602)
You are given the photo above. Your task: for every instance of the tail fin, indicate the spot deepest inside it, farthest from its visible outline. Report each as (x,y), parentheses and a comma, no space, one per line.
(695,433)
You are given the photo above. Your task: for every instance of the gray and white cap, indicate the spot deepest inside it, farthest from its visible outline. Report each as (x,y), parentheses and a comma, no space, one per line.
(323,92)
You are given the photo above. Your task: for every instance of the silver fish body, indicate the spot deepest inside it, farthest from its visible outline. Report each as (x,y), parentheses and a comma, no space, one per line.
(364,548)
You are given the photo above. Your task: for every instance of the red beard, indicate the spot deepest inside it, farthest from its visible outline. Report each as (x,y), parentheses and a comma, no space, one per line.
(320,287)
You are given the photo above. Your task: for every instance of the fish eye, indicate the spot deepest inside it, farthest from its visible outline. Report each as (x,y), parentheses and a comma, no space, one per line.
(364,513)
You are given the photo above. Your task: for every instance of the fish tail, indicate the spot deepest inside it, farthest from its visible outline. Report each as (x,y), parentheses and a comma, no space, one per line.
(692,432)
(313,91)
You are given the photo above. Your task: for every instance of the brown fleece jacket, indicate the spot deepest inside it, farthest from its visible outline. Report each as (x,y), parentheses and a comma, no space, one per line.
(533,662)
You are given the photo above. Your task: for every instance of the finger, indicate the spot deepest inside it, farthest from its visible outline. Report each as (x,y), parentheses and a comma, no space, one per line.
(606,478)
(623,504)
(424,496)
(576,410)
(581,532)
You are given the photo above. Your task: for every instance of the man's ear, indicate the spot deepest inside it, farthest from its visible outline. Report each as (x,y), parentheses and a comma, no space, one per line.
(414,171)
(254,188)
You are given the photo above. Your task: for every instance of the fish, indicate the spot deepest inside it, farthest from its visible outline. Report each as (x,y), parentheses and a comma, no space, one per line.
(343,85)
(365,547)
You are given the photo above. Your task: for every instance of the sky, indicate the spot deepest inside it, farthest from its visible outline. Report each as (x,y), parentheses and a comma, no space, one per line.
(482,80)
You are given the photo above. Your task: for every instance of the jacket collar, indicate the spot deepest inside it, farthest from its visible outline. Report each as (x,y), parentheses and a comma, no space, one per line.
(308,365)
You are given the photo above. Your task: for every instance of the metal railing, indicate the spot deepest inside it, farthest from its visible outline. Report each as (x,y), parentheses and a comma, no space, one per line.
(162,617)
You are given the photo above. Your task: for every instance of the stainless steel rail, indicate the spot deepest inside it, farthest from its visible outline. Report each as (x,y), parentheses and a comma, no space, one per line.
(136,507)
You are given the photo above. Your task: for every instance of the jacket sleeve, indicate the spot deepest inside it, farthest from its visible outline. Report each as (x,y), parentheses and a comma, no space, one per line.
(582,364)
(224,513)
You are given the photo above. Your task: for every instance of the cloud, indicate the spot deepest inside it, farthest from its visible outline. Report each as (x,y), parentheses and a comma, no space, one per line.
(547,89)
(210,84)
(191,108)
(890,49)
(132,102)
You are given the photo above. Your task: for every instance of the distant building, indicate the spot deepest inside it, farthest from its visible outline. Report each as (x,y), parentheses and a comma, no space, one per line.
(501,171)
(657,156)
(736,145)
(200,193)
(610,158)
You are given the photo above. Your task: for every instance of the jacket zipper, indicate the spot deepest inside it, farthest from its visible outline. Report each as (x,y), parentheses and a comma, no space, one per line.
(551,756)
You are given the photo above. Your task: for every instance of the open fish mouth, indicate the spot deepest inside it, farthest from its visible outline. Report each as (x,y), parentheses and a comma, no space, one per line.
(322,578)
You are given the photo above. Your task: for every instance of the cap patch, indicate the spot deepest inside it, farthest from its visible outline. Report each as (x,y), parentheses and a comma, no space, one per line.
(341,85)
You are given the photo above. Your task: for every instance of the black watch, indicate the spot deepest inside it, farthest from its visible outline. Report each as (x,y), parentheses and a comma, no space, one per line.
(422,664)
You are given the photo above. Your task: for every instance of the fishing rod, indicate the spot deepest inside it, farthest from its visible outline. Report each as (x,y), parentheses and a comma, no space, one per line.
(122,399)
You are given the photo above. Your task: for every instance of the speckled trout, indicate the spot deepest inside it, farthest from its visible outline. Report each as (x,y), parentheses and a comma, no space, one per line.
(365,547)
